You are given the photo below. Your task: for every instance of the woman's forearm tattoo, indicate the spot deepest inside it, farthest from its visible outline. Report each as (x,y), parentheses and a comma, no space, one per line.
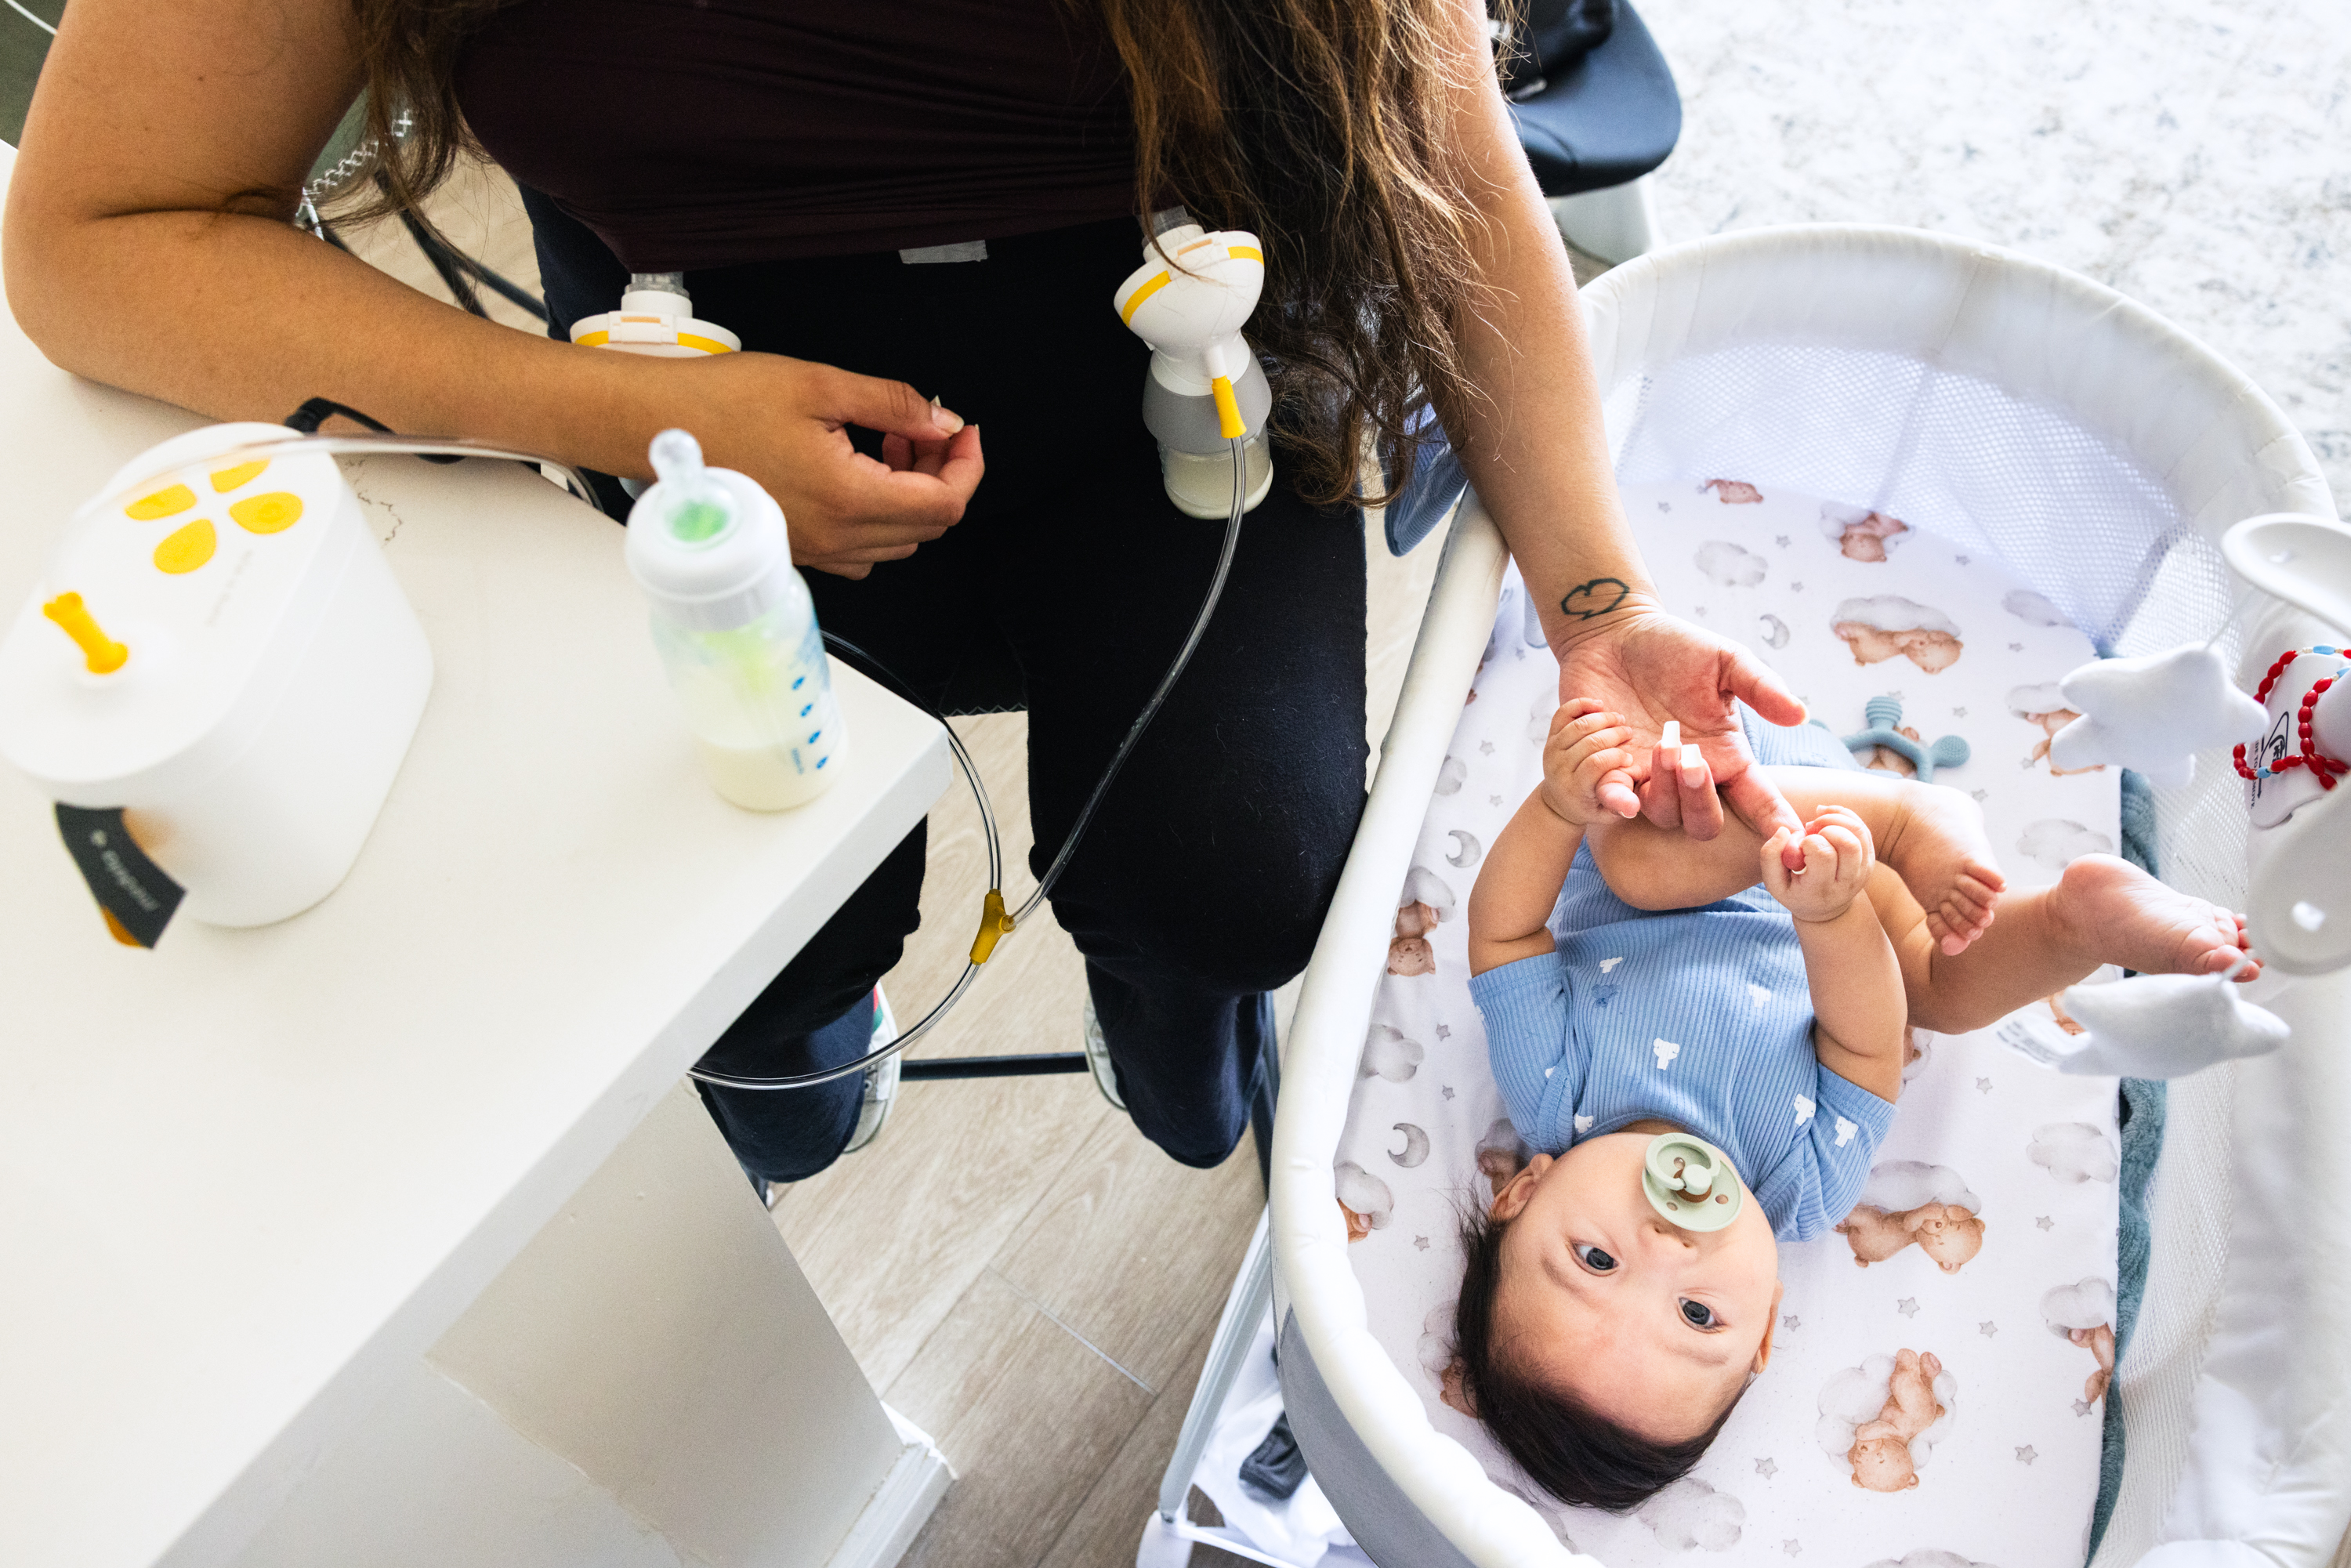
(1588,600)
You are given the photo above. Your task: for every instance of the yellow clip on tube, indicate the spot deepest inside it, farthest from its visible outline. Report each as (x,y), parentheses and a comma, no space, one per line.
(1228,409)
(994,924)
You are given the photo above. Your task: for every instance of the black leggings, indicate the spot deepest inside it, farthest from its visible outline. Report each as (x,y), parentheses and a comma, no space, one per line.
(1066,590)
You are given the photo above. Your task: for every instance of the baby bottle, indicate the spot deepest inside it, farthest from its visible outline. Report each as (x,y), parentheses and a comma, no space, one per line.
(736,629)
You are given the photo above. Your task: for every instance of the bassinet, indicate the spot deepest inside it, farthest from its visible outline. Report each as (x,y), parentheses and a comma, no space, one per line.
(2102,453)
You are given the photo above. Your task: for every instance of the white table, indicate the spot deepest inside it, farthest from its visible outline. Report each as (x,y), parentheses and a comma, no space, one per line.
(385,1233)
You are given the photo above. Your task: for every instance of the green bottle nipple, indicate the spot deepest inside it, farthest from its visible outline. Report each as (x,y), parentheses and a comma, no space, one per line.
(699,510)
(1690,1182)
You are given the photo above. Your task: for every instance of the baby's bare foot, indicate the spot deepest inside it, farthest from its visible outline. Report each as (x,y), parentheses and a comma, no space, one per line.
(1939,850)
(2125,916)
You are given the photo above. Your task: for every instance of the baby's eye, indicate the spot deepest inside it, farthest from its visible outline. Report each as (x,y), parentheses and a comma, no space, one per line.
(1594,1258)
(1700,1315)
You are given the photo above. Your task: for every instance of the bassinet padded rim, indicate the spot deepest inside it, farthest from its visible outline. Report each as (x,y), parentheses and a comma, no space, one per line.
(2265,1434)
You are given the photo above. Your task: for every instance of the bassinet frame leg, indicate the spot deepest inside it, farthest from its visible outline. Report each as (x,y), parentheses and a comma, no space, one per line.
(1615,224)
(1244,1307)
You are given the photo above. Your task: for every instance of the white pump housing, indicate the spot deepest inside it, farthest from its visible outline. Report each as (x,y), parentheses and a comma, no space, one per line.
(1189,300)
(655,318)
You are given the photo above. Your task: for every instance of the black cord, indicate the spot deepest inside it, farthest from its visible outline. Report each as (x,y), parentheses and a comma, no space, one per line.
(317,411)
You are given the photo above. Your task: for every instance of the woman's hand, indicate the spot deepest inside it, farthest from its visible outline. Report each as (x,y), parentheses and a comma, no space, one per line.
(1649,667)
(785,423)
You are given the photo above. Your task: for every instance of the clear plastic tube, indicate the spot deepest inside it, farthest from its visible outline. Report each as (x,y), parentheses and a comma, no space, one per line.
(987,820)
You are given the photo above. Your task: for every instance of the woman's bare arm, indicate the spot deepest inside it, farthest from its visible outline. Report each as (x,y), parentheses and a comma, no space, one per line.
(1535,447)
(148,244)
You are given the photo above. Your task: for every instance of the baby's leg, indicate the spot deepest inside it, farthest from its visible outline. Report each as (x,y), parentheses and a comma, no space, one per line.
(2101,911)
(1931,836)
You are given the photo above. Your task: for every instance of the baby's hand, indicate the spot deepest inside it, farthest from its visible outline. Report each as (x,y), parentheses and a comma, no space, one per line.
(1586,744)
(1837,857)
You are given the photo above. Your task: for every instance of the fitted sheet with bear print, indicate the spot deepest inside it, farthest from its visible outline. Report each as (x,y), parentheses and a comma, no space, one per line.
(1986,1236)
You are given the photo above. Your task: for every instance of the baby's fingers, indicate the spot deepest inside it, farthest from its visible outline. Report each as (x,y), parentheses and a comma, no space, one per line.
(1819,857)
(1852,854)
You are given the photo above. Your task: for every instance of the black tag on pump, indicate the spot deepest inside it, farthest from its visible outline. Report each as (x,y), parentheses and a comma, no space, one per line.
(138,896)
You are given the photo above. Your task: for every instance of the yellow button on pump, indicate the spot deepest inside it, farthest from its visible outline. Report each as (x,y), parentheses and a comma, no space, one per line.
(270,514)
(186,549)
(162,504)
(228,479)
(103,655)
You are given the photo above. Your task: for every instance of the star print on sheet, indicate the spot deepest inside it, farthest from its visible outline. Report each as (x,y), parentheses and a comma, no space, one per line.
(2025,1456)
(2046,1223)
(1983,1085)
(1449,1091)
(1420,1243)
(1791,1547)
(1757,994)
(1780,540)
(1791,1322)
(1907,1306)
(1988,1328)
(1846,1131)
(1493,800)
(1666,1050)
(1804,1109)
(1766,1469)
(1608,964)
(1583,1125)
(1444,1031)
(2083,1407)
(1487,746)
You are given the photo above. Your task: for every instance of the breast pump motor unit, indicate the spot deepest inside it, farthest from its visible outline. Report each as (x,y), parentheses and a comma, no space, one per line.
(215,683)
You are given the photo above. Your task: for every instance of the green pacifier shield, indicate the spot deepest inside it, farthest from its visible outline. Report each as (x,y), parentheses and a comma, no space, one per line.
(1690,1182)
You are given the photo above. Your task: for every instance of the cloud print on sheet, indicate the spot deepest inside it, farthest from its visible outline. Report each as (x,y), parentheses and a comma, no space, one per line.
(1389,1054)
(1691,1513)
(2057,842)
(2074,1152)
(1726,565)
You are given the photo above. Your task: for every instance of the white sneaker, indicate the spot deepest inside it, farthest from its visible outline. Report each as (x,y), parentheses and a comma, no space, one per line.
(1097,1059)
(881,1080)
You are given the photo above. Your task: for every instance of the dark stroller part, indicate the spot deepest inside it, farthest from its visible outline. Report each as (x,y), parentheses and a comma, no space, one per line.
(1275,1467)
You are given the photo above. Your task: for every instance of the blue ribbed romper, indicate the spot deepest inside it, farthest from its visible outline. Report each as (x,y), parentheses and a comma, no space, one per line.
(1702,1017)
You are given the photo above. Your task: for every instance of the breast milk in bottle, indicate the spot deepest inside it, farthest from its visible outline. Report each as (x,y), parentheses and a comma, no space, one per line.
(736,629)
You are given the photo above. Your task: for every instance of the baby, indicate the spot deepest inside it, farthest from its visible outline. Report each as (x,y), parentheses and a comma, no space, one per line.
(1602,1344)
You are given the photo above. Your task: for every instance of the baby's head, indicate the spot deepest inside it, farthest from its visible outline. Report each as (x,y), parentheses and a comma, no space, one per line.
(1601,1345)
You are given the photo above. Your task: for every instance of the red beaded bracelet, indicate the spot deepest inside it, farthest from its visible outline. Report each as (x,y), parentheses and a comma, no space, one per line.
(2325,769)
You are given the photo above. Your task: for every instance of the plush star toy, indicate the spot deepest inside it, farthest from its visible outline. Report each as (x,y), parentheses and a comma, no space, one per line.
(2167,1026)
(2153,713)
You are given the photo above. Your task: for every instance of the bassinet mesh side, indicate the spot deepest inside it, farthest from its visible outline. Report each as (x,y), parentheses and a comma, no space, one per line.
(2109,547)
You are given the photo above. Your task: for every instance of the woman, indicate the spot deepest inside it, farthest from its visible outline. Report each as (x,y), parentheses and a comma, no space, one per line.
(801,164)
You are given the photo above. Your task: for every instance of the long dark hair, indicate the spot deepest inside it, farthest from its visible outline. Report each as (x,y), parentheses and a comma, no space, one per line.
(1567,1448)
(1318,124)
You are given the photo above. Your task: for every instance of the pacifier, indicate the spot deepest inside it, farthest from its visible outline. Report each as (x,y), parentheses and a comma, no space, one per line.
(1690,1182)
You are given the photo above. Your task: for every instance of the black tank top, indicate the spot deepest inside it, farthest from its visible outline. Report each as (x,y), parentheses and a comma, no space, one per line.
(702,133)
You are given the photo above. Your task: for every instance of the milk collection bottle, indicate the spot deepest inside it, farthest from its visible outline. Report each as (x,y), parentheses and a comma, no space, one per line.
(736,629)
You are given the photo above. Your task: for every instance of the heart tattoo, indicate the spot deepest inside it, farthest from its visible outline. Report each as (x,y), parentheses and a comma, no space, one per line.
(1589,600)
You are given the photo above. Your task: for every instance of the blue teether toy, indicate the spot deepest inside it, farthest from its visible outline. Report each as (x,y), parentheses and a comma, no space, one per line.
(1884,714)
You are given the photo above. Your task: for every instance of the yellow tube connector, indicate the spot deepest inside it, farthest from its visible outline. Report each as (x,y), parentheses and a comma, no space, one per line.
(103,653)
(1228,409)
(994,925)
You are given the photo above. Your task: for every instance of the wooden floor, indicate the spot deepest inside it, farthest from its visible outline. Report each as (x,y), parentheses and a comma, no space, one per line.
(1017,1270)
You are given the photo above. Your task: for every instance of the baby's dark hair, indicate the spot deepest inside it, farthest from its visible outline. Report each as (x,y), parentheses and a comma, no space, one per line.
(1569,1450)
